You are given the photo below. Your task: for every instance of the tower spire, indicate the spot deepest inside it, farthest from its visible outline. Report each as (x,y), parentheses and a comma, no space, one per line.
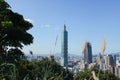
(64,27)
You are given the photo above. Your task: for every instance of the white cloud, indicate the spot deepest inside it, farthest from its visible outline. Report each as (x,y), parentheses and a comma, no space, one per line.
(45,26)
(29,20)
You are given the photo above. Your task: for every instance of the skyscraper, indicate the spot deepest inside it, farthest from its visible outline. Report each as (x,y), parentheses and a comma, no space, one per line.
(64,48)
(111,62)
(87,54)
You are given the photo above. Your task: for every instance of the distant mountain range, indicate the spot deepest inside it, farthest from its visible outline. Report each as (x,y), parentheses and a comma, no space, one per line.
(70,54)
(117,54)
(56,54)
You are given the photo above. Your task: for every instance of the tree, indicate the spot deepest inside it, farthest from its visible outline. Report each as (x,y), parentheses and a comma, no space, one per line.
(13,32)
(45,69)
(51,70)
(87,74)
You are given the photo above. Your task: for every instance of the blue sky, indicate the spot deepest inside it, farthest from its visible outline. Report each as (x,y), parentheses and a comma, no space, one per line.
(85,20)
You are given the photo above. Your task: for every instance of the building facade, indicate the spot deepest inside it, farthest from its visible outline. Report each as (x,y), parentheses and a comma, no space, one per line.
(64,48)
(87,54)
(109,61)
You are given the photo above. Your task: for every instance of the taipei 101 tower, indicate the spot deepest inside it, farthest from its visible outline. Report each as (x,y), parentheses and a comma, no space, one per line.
(64,48)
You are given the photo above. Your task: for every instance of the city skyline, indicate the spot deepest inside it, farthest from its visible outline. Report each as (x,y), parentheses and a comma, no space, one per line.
(85,20)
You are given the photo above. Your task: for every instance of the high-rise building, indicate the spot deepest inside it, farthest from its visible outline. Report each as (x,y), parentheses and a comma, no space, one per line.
(111,63)
(64,48)
(87,54)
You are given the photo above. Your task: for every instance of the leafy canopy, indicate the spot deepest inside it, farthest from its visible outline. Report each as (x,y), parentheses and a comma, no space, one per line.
(13,30)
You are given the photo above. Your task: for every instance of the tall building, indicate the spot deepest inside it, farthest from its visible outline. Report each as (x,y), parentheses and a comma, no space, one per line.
(64,48)
(111,62)
(87,54)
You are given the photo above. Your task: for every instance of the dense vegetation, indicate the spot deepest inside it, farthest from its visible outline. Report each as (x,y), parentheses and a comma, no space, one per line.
(88,74)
